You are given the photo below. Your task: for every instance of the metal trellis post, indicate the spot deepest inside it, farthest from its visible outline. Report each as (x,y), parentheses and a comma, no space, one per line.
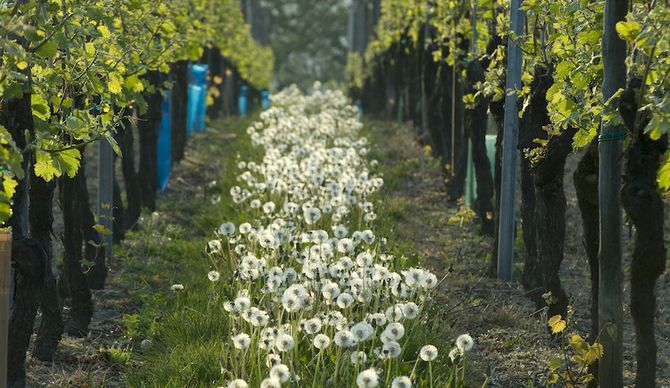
(510,140)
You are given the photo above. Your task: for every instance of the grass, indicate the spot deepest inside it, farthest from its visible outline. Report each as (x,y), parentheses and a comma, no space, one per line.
(181,345)
(182,342)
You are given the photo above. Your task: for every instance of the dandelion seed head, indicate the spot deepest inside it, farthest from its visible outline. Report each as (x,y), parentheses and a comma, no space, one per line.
(284,342)
(401,382)
(272,359)
(213,276)
(464,342)
(395,331)
(270,383)
(367,379)
(428,353)
(238,383)
(321,341)
(358,357)
(242,341)
(227,229)
(177,287)
(280,372)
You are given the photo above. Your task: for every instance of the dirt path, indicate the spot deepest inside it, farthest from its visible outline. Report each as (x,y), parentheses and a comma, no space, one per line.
(512,345)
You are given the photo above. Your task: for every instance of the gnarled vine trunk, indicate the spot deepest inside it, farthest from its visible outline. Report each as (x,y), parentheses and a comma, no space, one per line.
(118,225)
(431,113)
(133,206)
(28,257)
(477,122)
(74,279)
(148,126)
(548,175)
(94,252)
(645,210)
(41,219)
(179,107)
(585,179)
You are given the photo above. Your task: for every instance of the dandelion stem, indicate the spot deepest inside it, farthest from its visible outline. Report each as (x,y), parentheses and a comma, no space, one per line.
(463,370)
(430,373)
(316,371)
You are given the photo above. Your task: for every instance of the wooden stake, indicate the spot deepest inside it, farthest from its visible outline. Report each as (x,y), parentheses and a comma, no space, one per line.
(5,279)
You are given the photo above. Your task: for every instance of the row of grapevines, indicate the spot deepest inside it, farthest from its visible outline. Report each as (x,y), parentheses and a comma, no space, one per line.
(563,35)
(83,63)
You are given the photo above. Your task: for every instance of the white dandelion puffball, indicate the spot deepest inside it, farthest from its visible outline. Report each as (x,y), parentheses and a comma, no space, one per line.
(272,360)
(321,341)
(268,240)
(268,207)
(453,354)
(362,331)
(213,276)
(177,287)
(227,229)
(391,349)
(410,310)
(401,382)
(344,300)
(395,331)
(358,357)
(284,342)
(245,228)
(280,372)
(312,326)
(312,215)
(428,353)
(464,342)
(214,246)
(345,339)
(270,383)
(242,341)
(238,383)
(367,379)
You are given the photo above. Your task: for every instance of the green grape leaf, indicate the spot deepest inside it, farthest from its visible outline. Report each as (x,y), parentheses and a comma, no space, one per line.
(51,165)
(40,107)
(76,127)
(556,324)
(628,30)
(48,49)
(664,172)
(104,31)
(134,83)
(114,84)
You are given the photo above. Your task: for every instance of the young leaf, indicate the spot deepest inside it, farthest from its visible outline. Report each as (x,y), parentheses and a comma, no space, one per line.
(628,30)
(556,324)
(114,84)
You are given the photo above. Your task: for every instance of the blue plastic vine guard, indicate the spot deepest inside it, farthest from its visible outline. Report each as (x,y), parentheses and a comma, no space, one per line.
(265,99)
(194,96)
(199,79)
(164,143)
(242,101)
